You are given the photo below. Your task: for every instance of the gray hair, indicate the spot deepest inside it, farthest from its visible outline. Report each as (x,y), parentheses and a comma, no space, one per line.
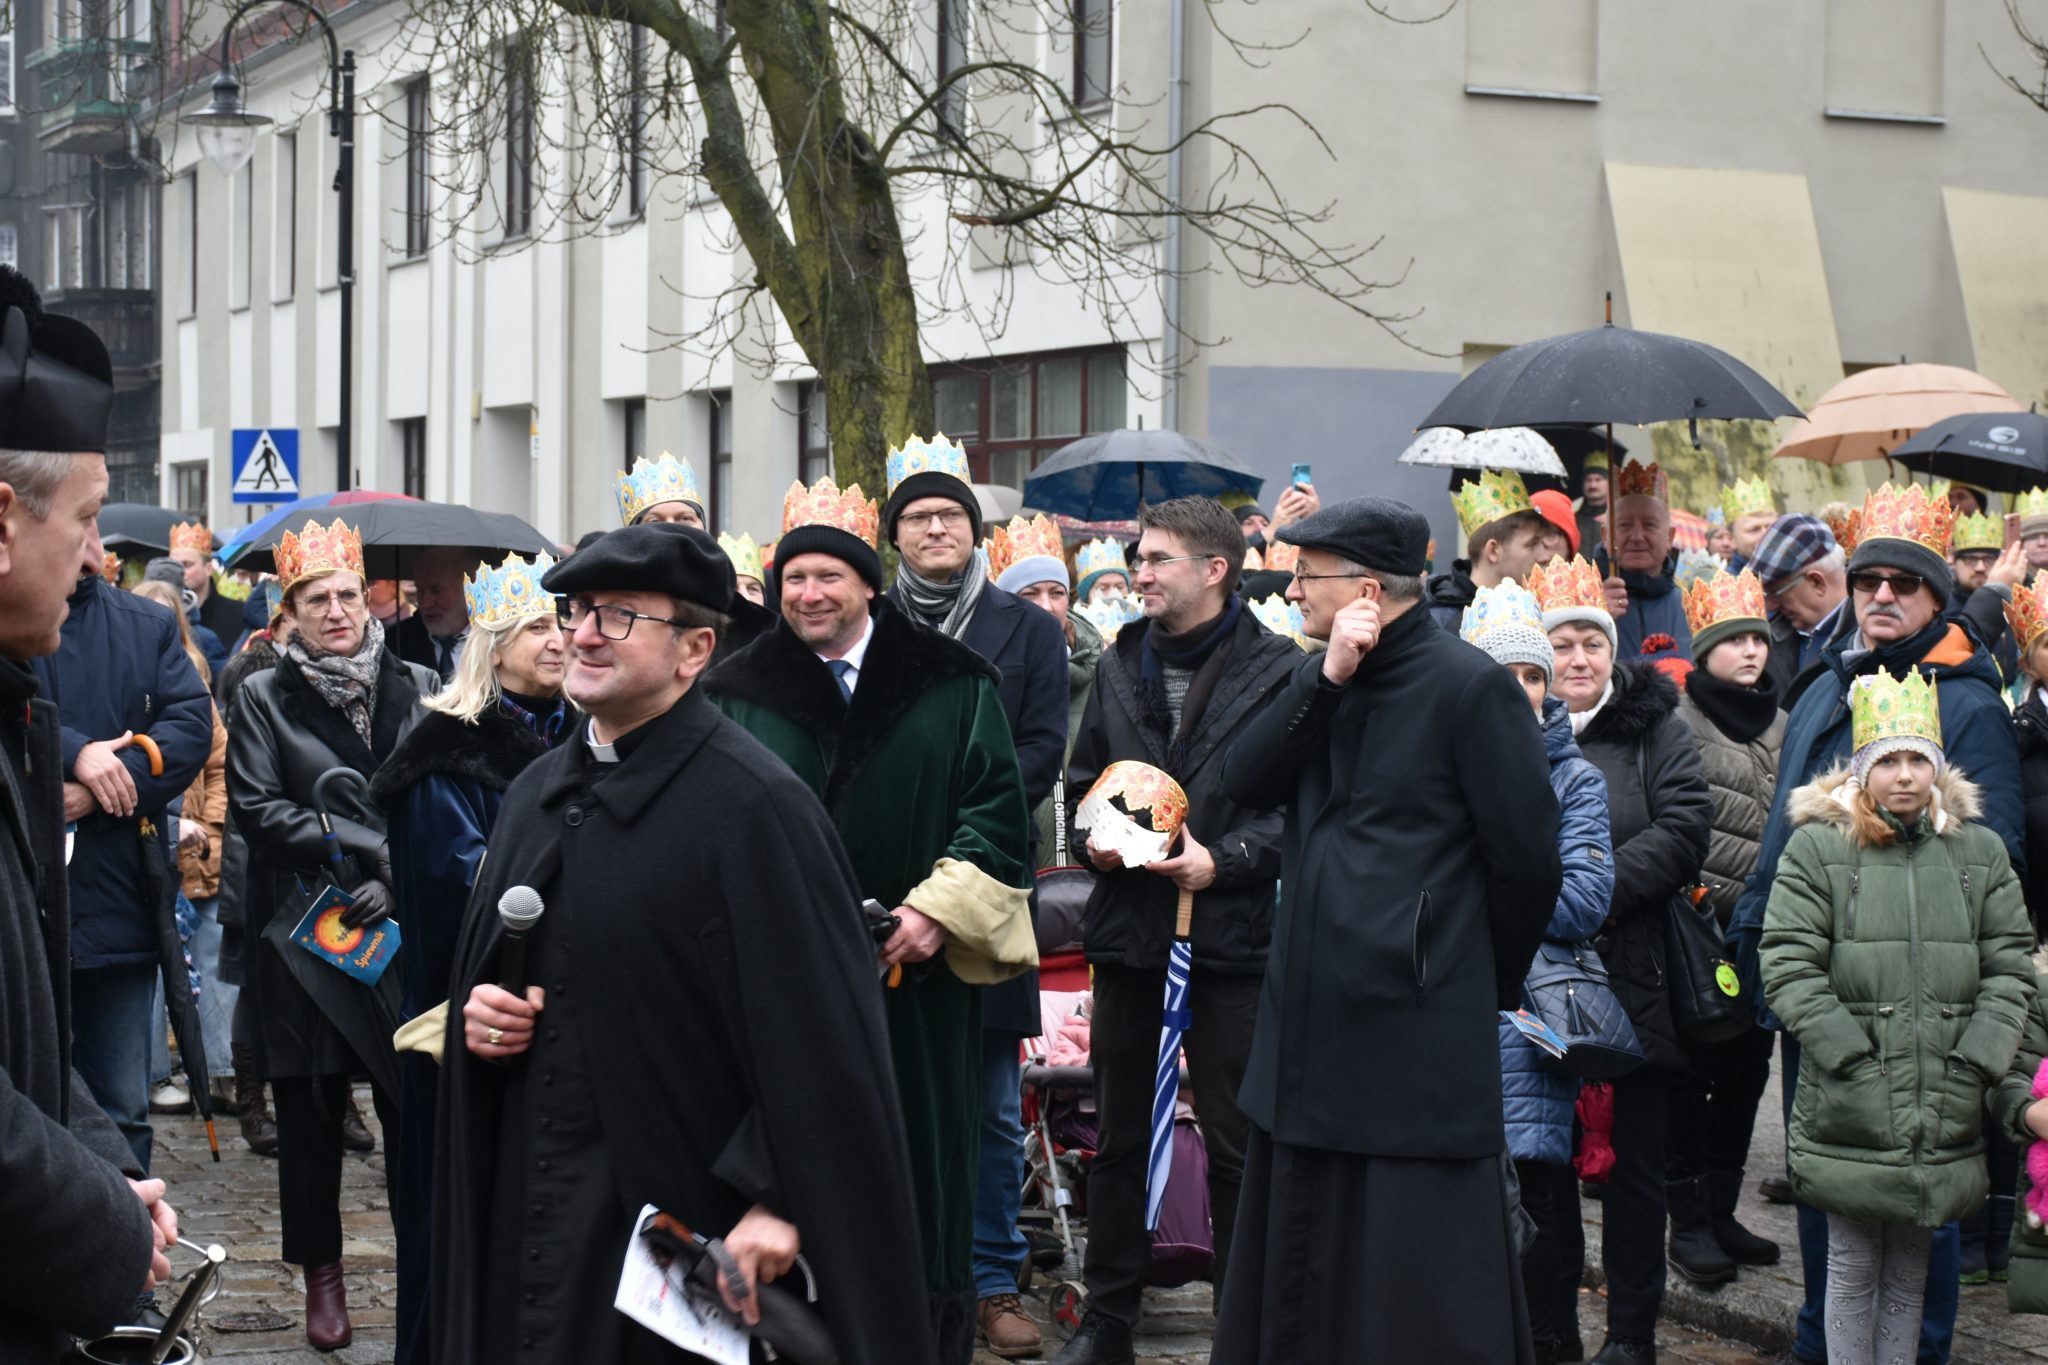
(1835,563)
(35,476)
(1394,587)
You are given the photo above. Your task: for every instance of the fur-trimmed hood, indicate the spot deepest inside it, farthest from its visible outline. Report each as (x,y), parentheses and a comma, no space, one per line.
(1643,696)
(493,750)
(1958,801)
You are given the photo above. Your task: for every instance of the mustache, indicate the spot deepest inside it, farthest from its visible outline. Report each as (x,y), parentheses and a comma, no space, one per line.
(1884,609)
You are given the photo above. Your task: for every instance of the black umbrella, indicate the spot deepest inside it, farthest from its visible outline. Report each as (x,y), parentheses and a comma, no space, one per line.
(395,531)
(179,1002)
(1104,477)
(136,526)
(2003,451)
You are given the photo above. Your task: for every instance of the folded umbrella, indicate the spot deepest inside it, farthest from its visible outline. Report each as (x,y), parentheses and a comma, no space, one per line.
(2003,451)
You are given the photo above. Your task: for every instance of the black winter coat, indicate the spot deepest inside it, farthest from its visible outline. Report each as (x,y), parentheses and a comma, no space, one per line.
(1129,920)
(1419,868)
(1661,833)
(2031,728)
(77,1240)
(281,738)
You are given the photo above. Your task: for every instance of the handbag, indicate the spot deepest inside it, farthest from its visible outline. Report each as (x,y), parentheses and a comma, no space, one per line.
(1063,889)
(1567,989)
(1707,1003)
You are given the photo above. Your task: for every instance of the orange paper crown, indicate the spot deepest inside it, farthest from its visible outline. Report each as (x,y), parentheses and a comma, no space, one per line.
(110,567)
(1893,513)
(1724,597)
(1635,480)
(1567,583)
(192,535)
(1283,556)
(318,549)
(1842,523)
(824,504)
(1022,539)
(2028,613)
(1143,787)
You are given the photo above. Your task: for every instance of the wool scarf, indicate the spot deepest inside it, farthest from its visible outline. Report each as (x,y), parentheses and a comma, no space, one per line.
(1741,713)
(948,606)
(1188,651)
(348,683)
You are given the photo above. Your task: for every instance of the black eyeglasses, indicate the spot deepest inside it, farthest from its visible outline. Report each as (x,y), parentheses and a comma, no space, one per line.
(1902,584)
(614,622)
(1302,576)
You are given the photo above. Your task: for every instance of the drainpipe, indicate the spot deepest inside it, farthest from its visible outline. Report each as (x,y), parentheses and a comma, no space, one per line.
(1170,249)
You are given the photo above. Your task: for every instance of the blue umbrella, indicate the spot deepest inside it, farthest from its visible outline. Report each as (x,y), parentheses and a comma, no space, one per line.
(1104,477)
(241,539)
(1173,1024)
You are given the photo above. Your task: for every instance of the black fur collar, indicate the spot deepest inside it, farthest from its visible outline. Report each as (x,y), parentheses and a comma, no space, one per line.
(1643,695)
(493,751)
(905,660)
(396,698)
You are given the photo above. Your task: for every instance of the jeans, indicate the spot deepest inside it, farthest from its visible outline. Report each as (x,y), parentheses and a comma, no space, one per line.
(1944,1263)
(1876,1272)
(111,1009)
(216,997)
(999,1247)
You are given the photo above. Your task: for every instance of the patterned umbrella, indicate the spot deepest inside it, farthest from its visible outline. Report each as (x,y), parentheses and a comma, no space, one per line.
(1516,448)
(1689,530)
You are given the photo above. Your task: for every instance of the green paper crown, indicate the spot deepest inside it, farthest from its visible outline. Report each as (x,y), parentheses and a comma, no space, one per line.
(1498,493)
(1977,532)
(1881,707)
(1744,496)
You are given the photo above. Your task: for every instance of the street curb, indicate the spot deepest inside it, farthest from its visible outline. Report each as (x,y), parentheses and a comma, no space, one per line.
(1755,1308)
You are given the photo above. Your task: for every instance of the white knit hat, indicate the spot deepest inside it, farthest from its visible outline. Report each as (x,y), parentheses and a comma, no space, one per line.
(1503,621)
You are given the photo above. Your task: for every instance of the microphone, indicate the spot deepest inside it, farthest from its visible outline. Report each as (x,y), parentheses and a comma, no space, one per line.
(519,909)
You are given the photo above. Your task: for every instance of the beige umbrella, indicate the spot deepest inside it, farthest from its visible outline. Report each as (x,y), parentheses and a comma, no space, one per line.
(1868,414)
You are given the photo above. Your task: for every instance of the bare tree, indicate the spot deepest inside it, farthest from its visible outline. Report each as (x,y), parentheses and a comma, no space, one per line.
(2034,86)
(868,153)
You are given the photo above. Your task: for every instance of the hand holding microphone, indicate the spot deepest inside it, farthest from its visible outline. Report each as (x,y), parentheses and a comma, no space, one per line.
(498,1021)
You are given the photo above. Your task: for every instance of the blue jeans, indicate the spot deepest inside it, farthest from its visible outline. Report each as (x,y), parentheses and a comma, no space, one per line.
(216,997)
(1944,1263)
(111,1010)
(999,1247)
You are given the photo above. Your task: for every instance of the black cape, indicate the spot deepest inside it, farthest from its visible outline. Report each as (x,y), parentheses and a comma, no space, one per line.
(723,1016)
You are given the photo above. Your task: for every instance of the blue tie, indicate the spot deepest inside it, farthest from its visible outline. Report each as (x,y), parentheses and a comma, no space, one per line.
(840,668)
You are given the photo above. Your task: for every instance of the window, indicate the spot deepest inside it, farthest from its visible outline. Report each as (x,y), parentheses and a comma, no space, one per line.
(1539,51)
(242,222)
(141,234)
(954,23)
(633,427)
(813,435)
(1091,51)
(418,200)
(10,245)
(412,445)
(53,245)
(720,446)
(518,141)
(633,137)
(189,488)
(114,269)
(189,193)
(1012,413)
(7,71)
(284,215)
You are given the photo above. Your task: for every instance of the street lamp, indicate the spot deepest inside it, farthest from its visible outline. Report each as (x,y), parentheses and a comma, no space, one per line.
(226,131)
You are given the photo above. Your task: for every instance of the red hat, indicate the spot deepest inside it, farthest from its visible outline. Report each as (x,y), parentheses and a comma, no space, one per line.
(1557,510)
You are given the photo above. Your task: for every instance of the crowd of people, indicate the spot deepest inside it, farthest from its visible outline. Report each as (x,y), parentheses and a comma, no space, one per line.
(714,863)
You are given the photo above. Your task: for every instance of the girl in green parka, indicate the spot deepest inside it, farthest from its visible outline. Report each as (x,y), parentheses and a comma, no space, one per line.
(1895,948)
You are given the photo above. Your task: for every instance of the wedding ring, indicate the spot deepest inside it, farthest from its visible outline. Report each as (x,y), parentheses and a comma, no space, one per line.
(496,1035)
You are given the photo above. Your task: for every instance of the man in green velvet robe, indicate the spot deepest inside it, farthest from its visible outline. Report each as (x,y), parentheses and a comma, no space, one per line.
(900,732)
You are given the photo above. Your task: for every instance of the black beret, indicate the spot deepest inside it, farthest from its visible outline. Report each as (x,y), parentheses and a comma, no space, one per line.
(930,483)
(56,379)
(1373,533)
(660,556)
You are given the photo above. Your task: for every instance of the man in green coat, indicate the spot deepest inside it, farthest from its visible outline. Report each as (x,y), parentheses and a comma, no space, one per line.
(899,731)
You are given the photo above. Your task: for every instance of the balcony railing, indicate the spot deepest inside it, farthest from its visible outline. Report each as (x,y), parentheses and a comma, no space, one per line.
(87,93)
(124,318)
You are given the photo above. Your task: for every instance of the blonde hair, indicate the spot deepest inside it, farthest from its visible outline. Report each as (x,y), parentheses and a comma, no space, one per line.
(474,689)
(165,595)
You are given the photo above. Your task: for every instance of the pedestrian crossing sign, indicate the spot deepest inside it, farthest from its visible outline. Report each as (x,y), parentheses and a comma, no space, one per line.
(266,464)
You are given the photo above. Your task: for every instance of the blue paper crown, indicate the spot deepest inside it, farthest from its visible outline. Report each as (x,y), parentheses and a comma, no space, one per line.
(510,593)
(653,482)
(918,456)
(1505,604)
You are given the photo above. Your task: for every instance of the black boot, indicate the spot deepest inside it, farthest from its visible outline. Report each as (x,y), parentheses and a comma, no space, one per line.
(1998,1237)
(1099,1340)
(1776,1189)
(1976,1268)
(1627,1351)
(1743,1246)
(1694,1252)
(355,1134)
(259,1129)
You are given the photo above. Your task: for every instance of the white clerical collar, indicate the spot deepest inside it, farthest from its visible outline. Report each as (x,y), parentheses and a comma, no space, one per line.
(599,750)
(859,652)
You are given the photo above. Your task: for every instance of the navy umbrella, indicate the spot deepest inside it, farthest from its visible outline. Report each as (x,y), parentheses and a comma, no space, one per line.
(2003,451)
(1106,476)
(136,526)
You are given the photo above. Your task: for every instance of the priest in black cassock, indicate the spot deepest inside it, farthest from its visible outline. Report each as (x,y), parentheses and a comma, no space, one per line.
(703,1030)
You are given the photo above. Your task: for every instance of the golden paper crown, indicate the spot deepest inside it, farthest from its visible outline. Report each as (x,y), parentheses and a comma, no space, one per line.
(1744,496)
(1893,513)
(2032,503)
(1497,493)
(1882,707)
(1565,584)
(192,535)
(1939,488)
(653,482)
(1978,532)
(110,567)
(919,456)
(318,549)
(1841,520)
(825,504)
(1725,597)
(744,554)
(1101,556)
(510,593)
(1141,786)
(1022,539)
(1635,480)
(1282,617)
(1282,556)
(2027,613)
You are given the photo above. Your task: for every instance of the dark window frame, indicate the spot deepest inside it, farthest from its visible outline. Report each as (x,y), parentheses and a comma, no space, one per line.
(418,168)
(718,441)
(412,456)
(633,148)
(951,53)
(981,447)
(1094,22)
(632,430)
(808,456)
(519,139)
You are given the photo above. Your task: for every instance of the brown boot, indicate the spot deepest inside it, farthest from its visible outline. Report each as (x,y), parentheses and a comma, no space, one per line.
(259,1129)
(327,1325)
(1009,1333)
(355,1134)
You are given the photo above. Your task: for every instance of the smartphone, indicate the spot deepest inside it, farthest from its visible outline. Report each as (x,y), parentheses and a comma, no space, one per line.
(2012,528)
(1301,476)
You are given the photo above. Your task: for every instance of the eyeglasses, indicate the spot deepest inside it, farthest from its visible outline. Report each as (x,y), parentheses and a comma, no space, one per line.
(1156,562)
(952,518)
(1902,584)
(348,599)
(1303,576)
(614,622)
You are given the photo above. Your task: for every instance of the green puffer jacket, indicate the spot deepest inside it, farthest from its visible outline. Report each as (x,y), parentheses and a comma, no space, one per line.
(1903,970)
(2027,1291)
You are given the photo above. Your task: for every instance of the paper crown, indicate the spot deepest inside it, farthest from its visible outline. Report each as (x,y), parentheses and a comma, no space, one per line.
(1254,562)
(1909,513)
(1695,566)
(1110,615)
(1978,532)
(919,456)
(653,482)
(1564,584)
(1142,787)
(1495,494)
(825,504)
(1282,617)
(744,554)
(1101,556)
(1504,606)
(1939,488)
(1022,539)
(1634,480)
(1744,496)
(1282,556)
(318,549)
(1841,524)
(192,535)
(2032,503)
(2027,613)
(110,567)
(510,593)
(1725,597)
(1882,707)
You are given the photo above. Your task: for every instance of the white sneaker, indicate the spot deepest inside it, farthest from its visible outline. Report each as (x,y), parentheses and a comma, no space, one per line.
(170,1098)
